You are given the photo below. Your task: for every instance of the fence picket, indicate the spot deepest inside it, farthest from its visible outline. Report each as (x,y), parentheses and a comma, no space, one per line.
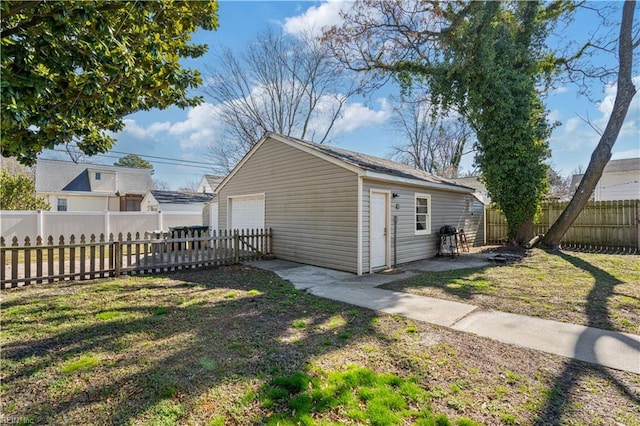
(88,259)
(61,257)
(50,271)
(72,257)
(601,226)
(83,257)
(3,259)
(101,255)
(27,259)
(39,259)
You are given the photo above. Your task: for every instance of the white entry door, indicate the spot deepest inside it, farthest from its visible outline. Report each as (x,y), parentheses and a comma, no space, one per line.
(378,232)
(246,212)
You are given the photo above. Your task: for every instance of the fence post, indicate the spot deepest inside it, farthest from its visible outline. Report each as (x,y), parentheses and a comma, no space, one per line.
(638,224)
(39,224)
(236,246)
(117,248)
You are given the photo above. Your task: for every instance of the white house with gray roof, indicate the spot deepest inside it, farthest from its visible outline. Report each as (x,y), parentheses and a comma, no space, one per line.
(175,201)
(340,209)
(620,181)
(69,186)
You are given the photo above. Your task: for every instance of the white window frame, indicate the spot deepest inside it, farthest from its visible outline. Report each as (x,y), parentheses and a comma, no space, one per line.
(66,204)
(427,231)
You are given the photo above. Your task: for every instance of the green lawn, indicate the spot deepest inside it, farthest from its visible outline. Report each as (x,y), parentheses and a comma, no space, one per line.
(598,290)
(240,346)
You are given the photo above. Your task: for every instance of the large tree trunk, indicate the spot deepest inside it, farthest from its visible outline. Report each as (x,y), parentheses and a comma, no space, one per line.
(524,234)
(602,152)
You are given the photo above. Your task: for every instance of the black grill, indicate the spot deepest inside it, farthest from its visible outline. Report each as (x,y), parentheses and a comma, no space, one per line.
(448,230)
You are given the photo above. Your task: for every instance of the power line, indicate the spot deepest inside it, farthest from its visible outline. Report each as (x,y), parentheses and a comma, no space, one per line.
(161,158)
(154,161)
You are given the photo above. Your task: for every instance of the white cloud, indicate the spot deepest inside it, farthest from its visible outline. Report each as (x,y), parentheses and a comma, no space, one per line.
(149,132)
(574,141)
(632,153)
(314,19)
(198,129)
(357,116)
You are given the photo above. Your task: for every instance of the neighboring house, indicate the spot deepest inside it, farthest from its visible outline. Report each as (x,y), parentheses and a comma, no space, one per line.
(208,184)
(340,209)
(69,186)
(620,181)
(174,201)
(480,190)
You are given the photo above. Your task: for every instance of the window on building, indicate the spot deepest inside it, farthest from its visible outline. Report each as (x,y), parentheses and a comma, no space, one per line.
(423,214)
(62,204)
(98,177)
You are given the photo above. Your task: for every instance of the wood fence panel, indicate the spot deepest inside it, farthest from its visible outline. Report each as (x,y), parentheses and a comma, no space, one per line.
(99,257)
(602,225)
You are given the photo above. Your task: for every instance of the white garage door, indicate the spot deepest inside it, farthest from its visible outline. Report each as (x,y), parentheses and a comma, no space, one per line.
(246,212)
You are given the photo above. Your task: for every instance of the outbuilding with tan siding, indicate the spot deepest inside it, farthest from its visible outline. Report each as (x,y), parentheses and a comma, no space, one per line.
(340,209)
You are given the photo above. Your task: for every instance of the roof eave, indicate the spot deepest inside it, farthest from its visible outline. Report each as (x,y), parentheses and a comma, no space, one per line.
(417,182)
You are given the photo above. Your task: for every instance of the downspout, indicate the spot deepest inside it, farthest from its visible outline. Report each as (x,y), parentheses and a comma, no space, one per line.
(395,241)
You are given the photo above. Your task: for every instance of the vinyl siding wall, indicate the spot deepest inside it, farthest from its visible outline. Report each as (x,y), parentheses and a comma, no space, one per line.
(618,186)
(447,208)
(310,203)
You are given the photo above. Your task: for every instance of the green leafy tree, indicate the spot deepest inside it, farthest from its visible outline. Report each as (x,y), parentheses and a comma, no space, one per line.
(74,69)
(135,161)
(486,59)
(18,192)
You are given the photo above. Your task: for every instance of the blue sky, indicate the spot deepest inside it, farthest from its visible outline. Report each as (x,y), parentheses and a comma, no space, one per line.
(184,134)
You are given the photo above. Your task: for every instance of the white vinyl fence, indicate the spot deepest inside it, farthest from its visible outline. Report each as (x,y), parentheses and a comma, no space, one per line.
(32,224)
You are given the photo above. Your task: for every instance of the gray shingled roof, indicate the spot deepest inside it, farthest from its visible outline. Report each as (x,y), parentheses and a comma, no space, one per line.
(58,176)
(613,166)
(623,165)
(177,197)
(376,164)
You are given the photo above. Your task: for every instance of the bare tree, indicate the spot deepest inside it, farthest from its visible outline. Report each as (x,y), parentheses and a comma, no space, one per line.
(432,141)
(278,84)
(161,185)
(189,186)
(602,153)
(560,186)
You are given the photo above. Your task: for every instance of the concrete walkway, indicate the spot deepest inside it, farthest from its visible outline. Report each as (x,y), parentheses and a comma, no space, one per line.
(608,348)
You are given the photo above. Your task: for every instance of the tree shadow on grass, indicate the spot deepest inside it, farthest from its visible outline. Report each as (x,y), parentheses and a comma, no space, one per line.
(598,316)
(226,326)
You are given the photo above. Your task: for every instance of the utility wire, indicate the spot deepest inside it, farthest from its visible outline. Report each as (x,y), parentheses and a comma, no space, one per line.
(154,161)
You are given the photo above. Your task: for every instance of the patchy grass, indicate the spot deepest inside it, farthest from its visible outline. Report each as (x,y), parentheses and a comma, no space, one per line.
(599,290)
(175,349)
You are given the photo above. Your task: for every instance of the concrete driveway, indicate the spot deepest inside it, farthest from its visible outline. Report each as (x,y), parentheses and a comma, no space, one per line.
(608,348)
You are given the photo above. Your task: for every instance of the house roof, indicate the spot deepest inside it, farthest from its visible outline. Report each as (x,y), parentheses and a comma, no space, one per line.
(213,180)
(380,168)
(177,197)
(57,176)
(613,166)
(623,165)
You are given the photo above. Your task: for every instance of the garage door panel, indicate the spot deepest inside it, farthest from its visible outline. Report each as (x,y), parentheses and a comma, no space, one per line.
(247,212)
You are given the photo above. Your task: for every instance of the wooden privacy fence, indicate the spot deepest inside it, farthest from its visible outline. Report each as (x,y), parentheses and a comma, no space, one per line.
(84,259)
(602,225)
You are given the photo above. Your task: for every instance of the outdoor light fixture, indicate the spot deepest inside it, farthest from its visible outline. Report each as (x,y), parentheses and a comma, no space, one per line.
(394,195)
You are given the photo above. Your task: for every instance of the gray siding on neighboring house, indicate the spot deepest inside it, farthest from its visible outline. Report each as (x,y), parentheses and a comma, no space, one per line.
(447,208)
(310,203)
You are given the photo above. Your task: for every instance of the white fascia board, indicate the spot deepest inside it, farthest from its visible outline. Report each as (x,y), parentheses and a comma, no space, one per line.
(417,182)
